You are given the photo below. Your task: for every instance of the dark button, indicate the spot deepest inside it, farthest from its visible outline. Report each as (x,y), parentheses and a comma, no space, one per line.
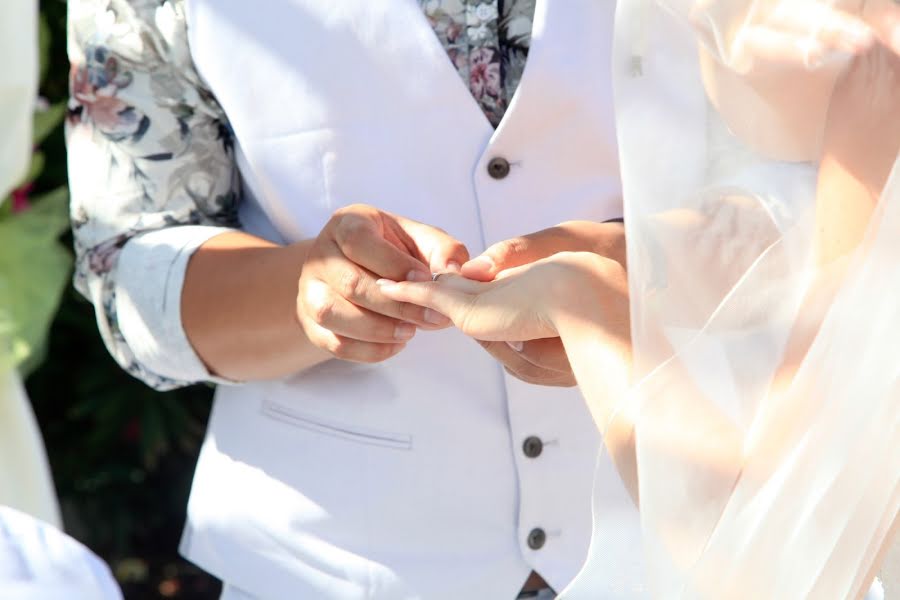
(498,168)
(537,538)
(532,446)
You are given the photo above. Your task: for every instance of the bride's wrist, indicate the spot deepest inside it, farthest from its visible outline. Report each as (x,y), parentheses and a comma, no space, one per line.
(592,304)
(584,280)
(592,319)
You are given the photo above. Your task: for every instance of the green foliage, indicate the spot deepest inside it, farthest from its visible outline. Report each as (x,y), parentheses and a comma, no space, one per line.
(45,36)
(122,455)
(34,269)
(46,121)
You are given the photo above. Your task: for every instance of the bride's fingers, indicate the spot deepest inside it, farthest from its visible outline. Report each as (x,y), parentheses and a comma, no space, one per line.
(835,28)
(884,17)
(768,49)
(800,34)
(764,49)
(451,295)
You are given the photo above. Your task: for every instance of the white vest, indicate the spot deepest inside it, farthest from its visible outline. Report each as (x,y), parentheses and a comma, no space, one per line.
(406,479)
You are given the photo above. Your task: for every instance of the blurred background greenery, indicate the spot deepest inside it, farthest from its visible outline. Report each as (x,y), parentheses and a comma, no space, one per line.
(122,455)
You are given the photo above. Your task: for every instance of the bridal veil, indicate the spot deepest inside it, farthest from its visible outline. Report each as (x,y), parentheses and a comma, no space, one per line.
(759,143)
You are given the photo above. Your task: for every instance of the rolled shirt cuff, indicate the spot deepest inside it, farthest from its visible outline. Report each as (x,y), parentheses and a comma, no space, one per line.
(148,284)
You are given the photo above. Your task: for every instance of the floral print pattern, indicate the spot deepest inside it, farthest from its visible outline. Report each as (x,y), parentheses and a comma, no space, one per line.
(487,41)
(150,148)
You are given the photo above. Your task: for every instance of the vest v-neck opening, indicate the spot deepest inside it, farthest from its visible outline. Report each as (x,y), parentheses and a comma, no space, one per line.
(539,10)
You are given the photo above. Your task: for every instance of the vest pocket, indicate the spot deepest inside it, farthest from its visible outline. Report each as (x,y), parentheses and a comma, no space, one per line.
(317,424)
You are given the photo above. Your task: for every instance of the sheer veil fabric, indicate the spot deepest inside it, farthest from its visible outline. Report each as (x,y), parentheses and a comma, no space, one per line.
(759,144)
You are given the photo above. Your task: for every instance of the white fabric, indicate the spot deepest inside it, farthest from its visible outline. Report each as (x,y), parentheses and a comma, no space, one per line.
(890,573)
(18,89)
(25,481)
(757,480)
(230,592)
(39,562)
(149,281)
(406,479)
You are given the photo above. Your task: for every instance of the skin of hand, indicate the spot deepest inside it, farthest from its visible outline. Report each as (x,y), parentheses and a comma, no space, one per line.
(255,310)
(779,60)
(339,305)
(543,361)
(526,302)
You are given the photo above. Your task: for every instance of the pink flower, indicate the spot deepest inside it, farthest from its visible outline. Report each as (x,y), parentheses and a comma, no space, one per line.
(453,31)
(95,92)
(100,105)
(20,198)
(132,431)
(484,73)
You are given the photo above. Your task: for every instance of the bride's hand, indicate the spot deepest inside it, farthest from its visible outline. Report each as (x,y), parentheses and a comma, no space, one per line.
(778,60)
(765,37)
(884,18)
(543,362)
(528,302)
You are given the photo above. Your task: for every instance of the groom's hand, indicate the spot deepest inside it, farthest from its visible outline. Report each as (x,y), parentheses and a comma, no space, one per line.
(543,362)
(340,306)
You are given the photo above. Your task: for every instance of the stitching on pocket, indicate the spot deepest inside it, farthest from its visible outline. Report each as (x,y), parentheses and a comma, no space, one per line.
(374,437)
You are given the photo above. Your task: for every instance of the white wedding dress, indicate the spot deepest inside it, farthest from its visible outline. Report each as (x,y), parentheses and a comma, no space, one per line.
(766,336)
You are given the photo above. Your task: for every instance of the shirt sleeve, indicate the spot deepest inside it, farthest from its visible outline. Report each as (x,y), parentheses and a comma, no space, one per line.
(152,177)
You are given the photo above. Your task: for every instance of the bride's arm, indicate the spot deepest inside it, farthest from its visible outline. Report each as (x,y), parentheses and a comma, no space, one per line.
(861,144)
(770,67)
(595,331)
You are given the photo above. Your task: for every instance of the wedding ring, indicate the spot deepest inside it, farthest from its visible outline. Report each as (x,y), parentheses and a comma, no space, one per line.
(434,276)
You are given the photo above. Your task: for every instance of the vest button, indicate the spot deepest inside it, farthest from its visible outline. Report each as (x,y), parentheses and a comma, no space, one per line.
(498,168)
(537,538)
(532,446)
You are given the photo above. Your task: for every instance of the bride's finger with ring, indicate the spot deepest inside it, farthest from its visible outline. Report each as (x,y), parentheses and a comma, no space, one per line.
(446,293)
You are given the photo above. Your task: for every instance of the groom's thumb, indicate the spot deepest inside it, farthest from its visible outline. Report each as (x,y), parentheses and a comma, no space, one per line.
(503,255)
(519,251)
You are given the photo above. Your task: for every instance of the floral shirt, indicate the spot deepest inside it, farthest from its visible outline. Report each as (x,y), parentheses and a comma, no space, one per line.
(488,42)
(150,149)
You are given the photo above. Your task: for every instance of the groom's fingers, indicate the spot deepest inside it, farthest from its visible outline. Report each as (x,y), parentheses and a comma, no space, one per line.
(526,249)
(440,250)
(515,252)
(517,365)
(606,239)
(548,353)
